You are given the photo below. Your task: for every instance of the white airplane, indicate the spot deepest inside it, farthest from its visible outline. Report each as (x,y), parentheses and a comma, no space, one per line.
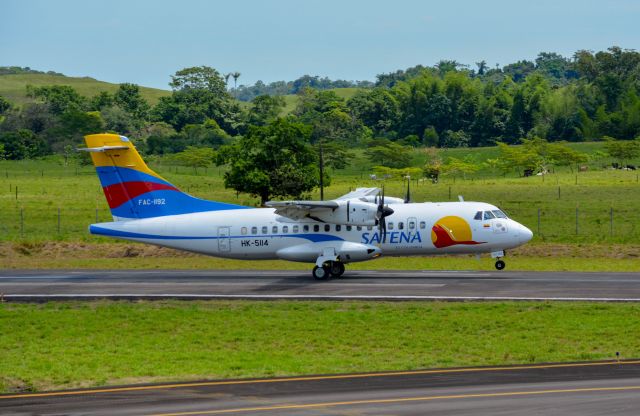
(361,225)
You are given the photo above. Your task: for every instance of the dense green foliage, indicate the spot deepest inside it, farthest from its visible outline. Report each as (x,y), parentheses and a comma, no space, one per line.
(589,96)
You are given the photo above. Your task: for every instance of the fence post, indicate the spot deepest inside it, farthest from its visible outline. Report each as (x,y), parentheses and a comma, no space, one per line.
(449,192)
(538,221)
(16,192)
(558,192)
(611,222)
(96,214)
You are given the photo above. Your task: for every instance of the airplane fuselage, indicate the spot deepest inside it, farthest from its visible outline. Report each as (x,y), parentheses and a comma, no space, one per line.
(259,233)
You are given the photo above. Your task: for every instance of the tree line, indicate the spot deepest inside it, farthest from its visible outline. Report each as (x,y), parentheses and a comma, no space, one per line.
(551,99)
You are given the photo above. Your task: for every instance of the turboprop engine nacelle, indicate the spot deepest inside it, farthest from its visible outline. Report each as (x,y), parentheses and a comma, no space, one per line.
(387,199)
(351,212)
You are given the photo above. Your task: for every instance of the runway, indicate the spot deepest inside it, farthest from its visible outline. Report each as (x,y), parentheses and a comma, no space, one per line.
(597,388)
(44,285)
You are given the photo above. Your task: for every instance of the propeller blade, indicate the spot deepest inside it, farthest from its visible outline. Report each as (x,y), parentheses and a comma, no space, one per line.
(407,198)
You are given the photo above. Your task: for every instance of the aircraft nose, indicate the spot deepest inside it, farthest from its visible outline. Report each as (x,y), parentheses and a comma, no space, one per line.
(525,234)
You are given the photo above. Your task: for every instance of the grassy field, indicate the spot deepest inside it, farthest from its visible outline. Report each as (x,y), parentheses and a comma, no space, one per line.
(14,87)
(604,202)
(63,345)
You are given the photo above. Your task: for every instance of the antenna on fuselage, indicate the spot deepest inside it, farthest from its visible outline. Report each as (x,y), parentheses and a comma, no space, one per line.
(407,198)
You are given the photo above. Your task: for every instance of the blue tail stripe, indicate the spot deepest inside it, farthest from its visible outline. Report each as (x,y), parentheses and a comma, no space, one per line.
(168,202)
(95,229)
(110,175)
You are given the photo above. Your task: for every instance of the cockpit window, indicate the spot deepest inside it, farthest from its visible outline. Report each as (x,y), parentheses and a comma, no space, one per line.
(488,215)
(478,215)
(499,214)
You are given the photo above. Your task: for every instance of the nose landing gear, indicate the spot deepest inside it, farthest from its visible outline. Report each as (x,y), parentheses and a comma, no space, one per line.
(498,255)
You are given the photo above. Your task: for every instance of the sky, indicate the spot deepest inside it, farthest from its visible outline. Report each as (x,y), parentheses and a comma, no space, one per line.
(146,41)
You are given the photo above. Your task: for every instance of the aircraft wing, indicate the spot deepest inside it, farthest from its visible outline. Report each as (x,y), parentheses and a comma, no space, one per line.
(297,210)
(359,193)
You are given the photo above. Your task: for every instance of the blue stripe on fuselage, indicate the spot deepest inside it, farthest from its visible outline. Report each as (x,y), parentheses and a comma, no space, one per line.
(110,175)
(315,238)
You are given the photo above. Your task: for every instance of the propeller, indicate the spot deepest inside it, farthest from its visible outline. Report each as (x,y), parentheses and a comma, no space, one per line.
(382,212)
(407,198)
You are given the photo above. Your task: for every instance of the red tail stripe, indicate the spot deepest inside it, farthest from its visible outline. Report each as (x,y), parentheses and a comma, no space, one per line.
(117,196)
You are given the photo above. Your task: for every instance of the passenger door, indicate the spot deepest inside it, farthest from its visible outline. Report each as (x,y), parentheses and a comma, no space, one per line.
(224,239)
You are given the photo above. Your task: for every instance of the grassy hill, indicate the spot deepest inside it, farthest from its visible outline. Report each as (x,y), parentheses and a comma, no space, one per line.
(14,87)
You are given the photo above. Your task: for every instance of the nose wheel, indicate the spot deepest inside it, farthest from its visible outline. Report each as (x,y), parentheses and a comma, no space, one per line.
(500,264)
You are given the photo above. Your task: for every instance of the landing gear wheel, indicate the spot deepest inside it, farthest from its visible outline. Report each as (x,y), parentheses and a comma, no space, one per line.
(500,265)
(337,269)
(321,273)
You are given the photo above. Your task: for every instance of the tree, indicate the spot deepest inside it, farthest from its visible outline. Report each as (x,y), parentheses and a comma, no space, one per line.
(4,106)
(482,67)
(430,137)
(264,109)
(128,98)
(455,167)
(199,93)
(562,155)
(390,154)
(195,157)
(275,160)
(623,150)
(60,98)
(235,76)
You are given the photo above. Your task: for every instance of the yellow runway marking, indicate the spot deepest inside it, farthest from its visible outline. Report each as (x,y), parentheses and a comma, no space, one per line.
(399,400)
(310,378)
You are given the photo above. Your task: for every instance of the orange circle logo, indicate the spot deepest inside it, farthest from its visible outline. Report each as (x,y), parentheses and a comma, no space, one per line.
(451,230)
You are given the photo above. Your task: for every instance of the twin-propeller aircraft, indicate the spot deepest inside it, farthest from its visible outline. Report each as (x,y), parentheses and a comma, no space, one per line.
(358,226)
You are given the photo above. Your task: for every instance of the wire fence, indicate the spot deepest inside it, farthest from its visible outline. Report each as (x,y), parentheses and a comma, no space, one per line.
(615,224)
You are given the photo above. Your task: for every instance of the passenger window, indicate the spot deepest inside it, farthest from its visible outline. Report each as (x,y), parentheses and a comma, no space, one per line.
(400,225)
(359,228)
(274,230)
(316,228)
(305,228)
(243,231)
(488,215)
(338,227)
(295,228)
(369,227)
(265,229)
(349,228)
(390,226)
(478,216)
(285,229)
(423,225)
(327,228)
(254,230)
(412,225)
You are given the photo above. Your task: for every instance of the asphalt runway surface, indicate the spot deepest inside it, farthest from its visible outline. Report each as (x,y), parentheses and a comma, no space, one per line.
(43,285)
(598,388)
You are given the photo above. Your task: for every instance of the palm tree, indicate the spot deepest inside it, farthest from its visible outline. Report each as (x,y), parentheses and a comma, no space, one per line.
(235,76)
(482,67)
(226,79)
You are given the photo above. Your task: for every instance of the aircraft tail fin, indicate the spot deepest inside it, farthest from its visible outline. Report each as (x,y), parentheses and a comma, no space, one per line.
(133,190)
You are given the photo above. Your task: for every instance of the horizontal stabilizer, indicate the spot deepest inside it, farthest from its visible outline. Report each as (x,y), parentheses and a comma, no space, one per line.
(102,148)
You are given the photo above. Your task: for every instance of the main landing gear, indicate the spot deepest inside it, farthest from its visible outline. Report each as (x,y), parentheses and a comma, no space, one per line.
(500,264)
(328,270)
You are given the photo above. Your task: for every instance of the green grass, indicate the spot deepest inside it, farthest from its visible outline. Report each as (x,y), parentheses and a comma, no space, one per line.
(536,257)
(72,344)
(46,185)
(14,87)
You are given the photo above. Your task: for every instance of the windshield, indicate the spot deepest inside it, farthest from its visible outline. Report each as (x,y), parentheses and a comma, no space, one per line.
(499,214)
